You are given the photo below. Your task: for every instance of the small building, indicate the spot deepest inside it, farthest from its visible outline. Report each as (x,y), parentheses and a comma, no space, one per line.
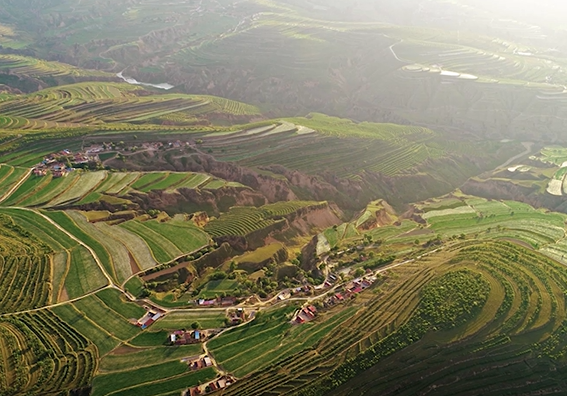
(40,172)
(148,319)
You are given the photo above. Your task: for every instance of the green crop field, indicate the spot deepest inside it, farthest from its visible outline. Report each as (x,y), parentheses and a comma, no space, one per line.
(84,275)
(106,318)
(113,254)
(143,357)
(104,341)
(41,228)
(183,234)
(135,244)
(67,223)
(163,249)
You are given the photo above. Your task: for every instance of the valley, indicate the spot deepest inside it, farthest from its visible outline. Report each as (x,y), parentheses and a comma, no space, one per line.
(275,197)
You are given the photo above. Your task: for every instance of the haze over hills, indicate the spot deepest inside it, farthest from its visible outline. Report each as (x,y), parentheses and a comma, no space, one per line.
(270,197)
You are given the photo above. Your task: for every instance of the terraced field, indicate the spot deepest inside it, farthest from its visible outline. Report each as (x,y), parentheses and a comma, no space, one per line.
(42,354)
(82,187)
(508,220)
(241,221)
(26,267)
(168,240)
(317,144)
(28,66)
(100,103)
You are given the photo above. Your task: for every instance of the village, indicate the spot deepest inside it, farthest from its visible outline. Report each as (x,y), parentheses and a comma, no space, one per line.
(62,163)
(65,161)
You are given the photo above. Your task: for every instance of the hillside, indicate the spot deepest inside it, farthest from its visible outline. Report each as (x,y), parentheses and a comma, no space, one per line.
(282,197)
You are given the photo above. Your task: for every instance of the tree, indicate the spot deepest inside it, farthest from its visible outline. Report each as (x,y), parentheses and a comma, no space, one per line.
(195,325)
(358,273)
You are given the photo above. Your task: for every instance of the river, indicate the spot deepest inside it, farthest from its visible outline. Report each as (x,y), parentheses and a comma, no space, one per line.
(133,81)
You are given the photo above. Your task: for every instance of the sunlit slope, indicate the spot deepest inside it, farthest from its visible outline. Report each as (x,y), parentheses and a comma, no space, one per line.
(464,316)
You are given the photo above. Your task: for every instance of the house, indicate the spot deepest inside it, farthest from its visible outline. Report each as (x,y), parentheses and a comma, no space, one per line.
(207,303)
(208,362)
(60,172)
(339,296)
(40,172)
(227,301)
(148,319)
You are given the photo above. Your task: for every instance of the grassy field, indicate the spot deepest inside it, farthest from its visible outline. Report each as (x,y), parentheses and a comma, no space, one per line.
(160,379)
(144,357)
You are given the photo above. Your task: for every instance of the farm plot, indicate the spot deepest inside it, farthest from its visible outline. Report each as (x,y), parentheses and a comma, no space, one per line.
(40,228)
(162,248)
(170,181)
(104,341)
(147,180)
(136,246)
(113,254)
(143,357)
(60,263)
(30,187)
(67,223)
(11,180)
(217,287)
(116,301)
(157,379)
(112,322)
(84,275)
(24,282)
(86,182)
(193,181)
(121,183)
(50,191)
(183,234)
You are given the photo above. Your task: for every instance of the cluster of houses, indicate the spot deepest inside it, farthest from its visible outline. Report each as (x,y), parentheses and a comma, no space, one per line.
(212,386)
(235,317)
(298,291)
(149,318)
(219,301)
(200,363)
(306,314)
(349,290)
(58,163)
